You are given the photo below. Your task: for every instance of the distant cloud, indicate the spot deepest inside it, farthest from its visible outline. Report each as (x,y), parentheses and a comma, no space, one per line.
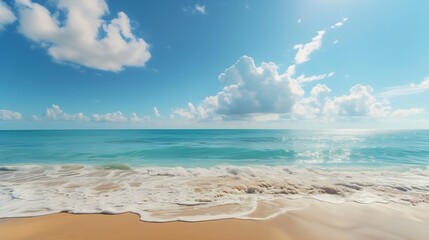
(299,20)
(335,42)
(190,113)
(137,119)
(109,117)
(76,39)
(401,113)
(340,23)
(156,112)
(56,113)
(200,8)
(35,118)
(409,89)
(6,15)
(359,102)
(304,79)
(8,115)
(197,8)
(304,50)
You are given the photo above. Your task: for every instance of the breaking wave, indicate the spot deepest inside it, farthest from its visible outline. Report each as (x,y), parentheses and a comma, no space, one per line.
(193,194)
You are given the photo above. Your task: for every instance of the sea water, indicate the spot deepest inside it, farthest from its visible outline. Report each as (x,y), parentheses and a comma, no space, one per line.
(166,175)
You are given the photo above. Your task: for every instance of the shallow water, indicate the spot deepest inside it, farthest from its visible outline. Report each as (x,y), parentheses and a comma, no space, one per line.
(193,175)
(206,148)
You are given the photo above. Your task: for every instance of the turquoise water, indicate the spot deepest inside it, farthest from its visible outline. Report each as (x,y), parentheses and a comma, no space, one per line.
(207,148)
(161,174)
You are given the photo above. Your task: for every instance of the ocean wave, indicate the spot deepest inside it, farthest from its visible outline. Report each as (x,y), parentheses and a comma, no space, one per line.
(193,194)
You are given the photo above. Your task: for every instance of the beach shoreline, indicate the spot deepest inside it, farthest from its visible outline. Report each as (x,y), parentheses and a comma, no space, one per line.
(320,220)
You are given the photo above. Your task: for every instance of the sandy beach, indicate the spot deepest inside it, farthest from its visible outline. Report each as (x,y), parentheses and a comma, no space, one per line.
(320,220)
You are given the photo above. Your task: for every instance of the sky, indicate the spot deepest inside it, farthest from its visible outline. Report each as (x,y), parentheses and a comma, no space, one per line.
(78,64)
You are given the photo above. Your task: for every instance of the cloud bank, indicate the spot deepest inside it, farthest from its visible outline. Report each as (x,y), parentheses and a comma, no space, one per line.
(262,93)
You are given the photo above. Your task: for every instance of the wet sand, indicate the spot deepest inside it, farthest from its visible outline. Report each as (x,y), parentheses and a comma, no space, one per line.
(320,220)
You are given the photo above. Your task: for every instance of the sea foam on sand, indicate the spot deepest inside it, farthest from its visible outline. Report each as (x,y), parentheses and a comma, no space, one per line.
(194,194)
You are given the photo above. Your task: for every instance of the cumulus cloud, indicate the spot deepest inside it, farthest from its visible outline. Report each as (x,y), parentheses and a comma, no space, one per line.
(8,115)
(262,93)
(56,113)
(252,91)
(137,119)
(304,50)
(255,89)
(110,117)
(6,15)
(409,89)
(359,102)
(249,89)
(340,23)
(200,8)
(194,113)
(312,106)
(76,32)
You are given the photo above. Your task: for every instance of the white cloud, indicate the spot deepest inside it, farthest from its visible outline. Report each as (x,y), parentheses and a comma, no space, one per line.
(136,119)
(312,106)
(402,113)
(249,89)
(409,89)
(262,93)
(156,112)
(8,115)
(35,118)
(299,20)
(6,15)
(335,42)
(84,37)
(304,79)
(360,102)
(200,8)
(340,23)
(194,113)
(56,113)
(304,50)
(110,117)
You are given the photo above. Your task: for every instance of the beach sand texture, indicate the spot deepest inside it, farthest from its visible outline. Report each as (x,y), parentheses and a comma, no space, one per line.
(320,220)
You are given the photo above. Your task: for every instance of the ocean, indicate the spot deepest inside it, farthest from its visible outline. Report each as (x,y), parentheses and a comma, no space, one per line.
(163,174)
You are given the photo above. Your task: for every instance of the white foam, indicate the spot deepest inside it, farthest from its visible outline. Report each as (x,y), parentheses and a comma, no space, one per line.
(195,194)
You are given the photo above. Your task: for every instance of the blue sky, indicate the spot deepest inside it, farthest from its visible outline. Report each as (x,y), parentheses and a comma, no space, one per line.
(213,64)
